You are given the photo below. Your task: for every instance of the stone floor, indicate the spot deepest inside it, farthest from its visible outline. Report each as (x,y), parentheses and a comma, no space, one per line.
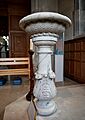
(71,102)
(67,82)
(9,93)
(70,98)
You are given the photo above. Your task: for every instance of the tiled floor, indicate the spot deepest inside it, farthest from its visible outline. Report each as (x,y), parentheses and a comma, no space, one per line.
(69,89)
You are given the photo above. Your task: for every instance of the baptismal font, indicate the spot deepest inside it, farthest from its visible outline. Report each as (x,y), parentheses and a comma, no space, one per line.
(44,29)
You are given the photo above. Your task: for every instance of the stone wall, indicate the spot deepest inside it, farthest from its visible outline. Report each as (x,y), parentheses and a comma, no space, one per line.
(66,7)
(44,5)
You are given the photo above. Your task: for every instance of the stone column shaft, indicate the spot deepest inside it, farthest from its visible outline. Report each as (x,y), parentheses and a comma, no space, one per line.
(79,13)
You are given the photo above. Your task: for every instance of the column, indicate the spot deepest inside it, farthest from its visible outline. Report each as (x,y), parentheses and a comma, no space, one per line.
(79,13)
(44,5)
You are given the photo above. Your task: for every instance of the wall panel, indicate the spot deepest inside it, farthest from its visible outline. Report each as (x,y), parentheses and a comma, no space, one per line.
(18,40)
(75,59)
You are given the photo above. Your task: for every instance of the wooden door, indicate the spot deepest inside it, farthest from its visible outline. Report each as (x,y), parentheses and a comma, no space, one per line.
(18,44)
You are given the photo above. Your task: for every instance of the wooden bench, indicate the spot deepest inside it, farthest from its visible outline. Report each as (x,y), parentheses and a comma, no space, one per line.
(15,62)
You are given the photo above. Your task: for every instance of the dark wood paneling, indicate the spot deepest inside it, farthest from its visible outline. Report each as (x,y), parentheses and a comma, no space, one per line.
(77,46)
(78,70)
(14,22)
(18,40)
(18,44)
(66,67)
(71,55)
(71,47)
(83,72)
(71,70)
(19,8)
(75,59)
(66,48)
(66,56)
(77,56)
(82,45)
(75,69)
(83,56)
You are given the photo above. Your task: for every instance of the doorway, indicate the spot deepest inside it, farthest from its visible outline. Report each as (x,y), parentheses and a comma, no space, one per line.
(4,38)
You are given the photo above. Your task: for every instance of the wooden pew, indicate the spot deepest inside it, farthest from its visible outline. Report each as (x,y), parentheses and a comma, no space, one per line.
(15,62)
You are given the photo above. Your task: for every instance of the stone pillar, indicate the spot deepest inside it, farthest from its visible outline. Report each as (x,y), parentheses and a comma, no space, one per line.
(44,5)
(76,18)
(82,17)
(79,17)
